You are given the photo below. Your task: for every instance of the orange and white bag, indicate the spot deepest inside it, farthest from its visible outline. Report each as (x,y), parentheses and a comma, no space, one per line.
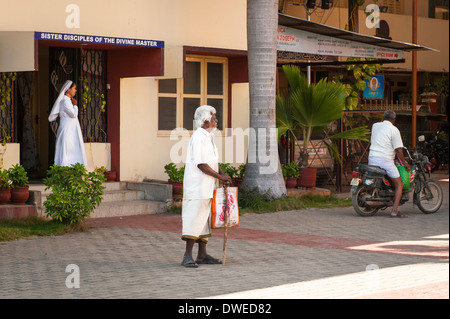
(218,208)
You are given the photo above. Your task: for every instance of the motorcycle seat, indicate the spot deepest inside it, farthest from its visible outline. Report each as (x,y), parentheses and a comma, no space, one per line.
(371,169)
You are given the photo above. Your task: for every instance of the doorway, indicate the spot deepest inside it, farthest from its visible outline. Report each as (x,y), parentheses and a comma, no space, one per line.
(87,68)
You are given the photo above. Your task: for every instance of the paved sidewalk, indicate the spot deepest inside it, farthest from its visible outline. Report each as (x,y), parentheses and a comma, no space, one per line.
(313,253)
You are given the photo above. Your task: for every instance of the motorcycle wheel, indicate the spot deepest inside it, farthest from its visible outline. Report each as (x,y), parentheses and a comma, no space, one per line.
(358,202)
(429,206)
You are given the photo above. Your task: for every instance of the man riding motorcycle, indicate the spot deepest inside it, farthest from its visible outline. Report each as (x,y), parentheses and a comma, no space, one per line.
(385,144)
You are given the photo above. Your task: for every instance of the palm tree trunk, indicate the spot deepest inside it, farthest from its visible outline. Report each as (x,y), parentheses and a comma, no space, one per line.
(263,168)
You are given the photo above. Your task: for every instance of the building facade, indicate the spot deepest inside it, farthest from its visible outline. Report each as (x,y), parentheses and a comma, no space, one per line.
(152,63)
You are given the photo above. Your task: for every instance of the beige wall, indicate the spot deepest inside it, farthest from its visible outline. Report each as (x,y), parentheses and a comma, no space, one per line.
(202,23)
(211,23)
(9,155)
(143,153)
(16,51)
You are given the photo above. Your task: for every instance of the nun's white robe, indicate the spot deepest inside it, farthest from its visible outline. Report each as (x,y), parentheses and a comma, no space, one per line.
(69,139)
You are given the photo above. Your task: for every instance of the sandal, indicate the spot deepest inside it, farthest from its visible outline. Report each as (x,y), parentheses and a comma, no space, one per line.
(209,260)
(398,215)
(189,262)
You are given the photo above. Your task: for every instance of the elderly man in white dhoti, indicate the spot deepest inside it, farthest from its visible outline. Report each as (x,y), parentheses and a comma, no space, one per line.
(201,176)
(69,139)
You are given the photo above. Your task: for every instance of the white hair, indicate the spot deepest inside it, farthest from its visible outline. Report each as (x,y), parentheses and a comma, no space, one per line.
(202,114)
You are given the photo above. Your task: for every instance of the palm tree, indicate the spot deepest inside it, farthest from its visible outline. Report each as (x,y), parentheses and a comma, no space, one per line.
(312,106)
(263,172)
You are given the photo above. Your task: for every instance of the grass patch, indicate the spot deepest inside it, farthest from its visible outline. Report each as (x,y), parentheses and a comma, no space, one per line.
(254,202)
(292,203)
(12,229)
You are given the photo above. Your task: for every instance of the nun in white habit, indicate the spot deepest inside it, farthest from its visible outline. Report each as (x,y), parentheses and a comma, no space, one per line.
(69,139)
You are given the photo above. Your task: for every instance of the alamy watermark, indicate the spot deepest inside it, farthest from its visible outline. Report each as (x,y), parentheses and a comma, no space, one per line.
(373,19)
(73,17)
(73,279)
(372,276)
(239,145)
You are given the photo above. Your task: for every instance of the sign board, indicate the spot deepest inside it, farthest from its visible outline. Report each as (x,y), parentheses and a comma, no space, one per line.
(98,39)
(294,40)
(374,87)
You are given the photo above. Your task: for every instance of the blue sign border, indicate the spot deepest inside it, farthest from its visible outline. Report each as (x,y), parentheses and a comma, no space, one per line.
(95,39)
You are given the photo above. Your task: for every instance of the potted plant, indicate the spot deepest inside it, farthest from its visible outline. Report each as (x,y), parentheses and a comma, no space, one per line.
(291,173)
(311,106)
(176,176)
(231,171)
(5,187)
(240,175)
(19,183)
(110,175)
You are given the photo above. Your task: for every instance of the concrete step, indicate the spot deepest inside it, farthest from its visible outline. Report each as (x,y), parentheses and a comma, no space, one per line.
(110,186)
(113,195)
(129,208)
(11,211)
(119,199)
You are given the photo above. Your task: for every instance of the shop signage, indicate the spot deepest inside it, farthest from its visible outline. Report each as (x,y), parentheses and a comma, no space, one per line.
(95,39)
(294,40)
(296,57)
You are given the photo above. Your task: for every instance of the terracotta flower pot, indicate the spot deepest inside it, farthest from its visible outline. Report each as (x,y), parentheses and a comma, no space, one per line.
(19,195)
(237,182)
(5,196)
(177,187)
(111,176)
(308,176)
(291,182)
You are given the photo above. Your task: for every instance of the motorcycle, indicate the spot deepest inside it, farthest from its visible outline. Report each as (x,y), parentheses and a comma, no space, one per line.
(437,150)
(373,190)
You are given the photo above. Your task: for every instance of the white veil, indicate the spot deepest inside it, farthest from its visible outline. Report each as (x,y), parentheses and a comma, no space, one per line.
(55,109)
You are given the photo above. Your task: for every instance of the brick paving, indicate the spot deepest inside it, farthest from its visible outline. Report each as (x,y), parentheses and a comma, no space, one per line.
(312,253)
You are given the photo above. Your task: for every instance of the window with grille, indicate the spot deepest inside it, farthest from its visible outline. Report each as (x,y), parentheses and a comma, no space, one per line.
(393,6)
(205,82)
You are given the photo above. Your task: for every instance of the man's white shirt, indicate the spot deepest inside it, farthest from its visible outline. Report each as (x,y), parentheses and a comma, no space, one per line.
(201,150)
(384,140)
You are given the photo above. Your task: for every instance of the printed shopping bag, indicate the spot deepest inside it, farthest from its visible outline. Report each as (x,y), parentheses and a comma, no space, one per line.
(218,208)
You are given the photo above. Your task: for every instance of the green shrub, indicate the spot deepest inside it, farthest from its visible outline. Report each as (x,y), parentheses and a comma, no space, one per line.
(175,174)
(18,176)
(5,181)
(230,170)
(75,193)
(241,171)
(290,170)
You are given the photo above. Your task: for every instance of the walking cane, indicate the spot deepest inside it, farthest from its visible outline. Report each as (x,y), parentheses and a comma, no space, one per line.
(225,226)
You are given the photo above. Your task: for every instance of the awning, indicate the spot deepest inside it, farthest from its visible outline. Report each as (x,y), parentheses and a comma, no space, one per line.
(18,49)
(299,35)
